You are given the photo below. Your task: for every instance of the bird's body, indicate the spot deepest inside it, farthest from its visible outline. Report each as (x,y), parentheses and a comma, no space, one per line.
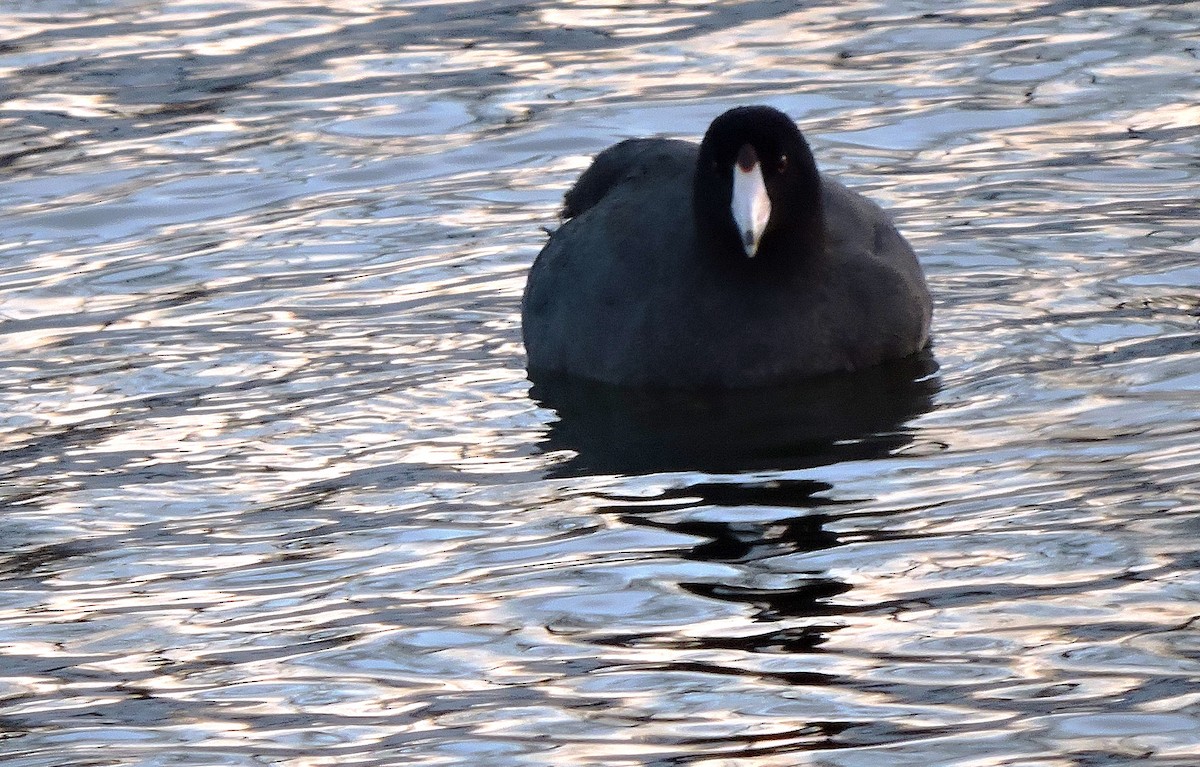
(652,282)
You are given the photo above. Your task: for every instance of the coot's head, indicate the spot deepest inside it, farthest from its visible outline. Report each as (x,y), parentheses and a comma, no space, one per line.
(757,192)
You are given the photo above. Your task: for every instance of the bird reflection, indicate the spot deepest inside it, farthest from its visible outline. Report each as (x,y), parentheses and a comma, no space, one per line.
(612,430)
(858,416)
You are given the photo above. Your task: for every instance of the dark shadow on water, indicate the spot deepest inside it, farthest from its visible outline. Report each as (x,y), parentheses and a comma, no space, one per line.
(613,430)
(816,423)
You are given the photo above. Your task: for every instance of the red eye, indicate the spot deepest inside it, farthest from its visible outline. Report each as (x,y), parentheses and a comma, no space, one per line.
(782,166)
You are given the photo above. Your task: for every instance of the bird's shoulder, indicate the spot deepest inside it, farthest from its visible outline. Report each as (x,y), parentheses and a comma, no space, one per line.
(628,162)
(859,230)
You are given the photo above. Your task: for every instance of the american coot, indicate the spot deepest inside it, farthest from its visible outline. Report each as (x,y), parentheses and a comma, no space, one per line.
(729,264)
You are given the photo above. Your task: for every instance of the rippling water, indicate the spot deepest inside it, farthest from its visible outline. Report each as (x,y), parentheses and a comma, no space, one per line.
(276,490)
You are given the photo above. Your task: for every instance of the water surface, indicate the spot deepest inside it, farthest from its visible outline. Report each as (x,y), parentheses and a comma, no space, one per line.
(277,491)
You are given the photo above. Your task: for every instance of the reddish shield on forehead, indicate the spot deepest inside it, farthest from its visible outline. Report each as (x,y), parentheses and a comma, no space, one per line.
(747,157)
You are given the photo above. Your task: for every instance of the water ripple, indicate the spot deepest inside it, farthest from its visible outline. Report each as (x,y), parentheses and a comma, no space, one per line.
(276,488)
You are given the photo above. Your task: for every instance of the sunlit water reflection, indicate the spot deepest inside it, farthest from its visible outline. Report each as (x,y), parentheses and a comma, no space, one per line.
(277,490)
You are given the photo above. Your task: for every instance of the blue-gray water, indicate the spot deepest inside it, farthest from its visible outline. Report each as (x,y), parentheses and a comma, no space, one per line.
(275,490)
